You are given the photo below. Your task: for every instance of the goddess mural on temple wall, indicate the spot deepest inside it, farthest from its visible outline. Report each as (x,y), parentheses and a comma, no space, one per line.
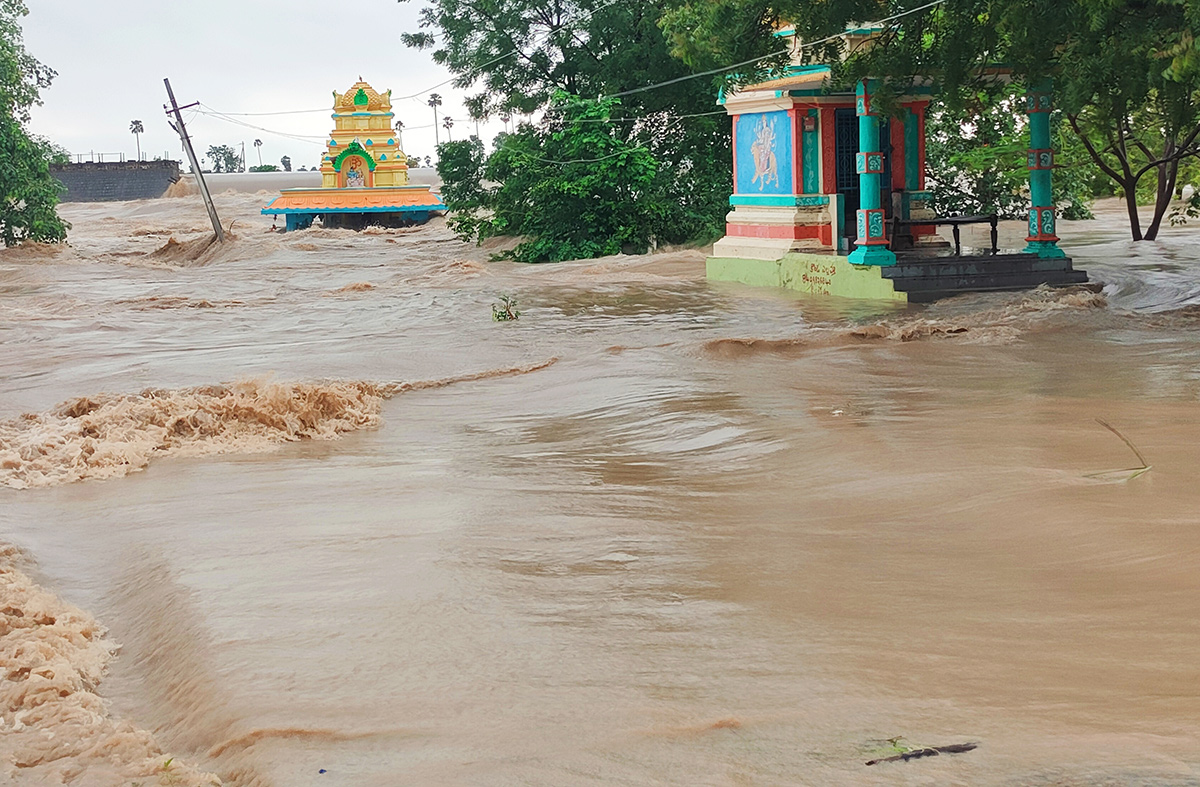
(766,164)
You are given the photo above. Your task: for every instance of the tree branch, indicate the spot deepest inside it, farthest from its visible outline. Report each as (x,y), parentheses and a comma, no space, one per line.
(1091,149)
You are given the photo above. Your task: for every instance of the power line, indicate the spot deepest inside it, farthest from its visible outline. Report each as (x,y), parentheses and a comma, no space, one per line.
(229,116)
(506,146)
(420,93)
(533,42)
(726,69)
(642,119)
(271,114)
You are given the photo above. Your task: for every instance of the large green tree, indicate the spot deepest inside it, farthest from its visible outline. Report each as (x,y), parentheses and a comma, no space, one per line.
(29,194)
(1126,72)
(520,54)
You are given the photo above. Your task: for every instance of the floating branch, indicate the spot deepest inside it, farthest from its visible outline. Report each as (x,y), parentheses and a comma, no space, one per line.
(1133,471)
(931,751)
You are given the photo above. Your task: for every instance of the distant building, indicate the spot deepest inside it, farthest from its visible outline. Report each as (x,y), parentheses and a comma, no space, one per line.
(364,173)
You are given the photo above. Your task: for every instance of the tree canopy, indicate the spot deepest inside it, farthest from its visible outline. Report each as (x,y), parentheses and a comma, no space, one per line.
(527,56)
(574,188)
(29,194)
(224,158)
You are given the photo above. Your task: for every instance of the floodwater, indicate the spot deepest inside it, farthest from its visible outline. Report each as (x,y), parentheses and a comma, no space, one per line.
(656,531)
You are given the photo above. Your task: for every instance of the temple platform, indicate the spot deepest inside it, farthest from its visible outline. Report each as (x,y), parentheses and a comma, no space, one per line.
(915,278)
(356,208)
(925,279)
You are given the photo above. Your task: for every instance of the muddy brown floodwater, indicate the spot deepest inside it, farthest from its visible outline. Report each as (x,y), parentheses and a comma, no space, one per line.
(344,529)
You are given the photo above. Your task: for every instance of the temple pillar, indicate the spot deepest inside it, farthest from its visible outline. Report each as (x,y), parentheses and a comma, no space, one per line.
(871,246)
(1041,241)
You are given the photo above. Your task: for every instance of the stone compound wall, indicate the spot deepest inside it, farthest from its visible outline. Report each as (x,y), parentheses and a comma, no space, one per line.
(115,181)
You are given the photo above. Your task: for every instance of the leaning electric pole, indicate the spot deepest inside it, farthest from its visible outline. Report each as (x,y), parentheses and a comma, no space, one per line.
(181,129)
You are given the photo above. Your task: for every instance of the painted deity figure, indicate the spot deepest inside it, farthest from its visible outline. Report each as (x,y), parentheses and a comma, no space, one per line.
(766,165)
(354,177)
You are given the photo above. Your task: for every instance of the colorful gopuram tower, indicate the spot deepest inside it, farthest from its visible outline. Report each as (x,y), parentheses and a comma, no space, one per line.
(364,173)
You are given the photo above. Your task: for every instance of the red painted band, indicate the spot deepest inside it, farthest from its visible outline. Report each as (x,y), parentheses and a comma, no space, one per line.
(821,232)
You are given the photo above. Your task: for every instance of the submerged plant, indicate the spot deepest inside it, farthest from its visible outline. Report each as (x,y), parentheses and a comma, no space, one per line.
(506,310)
(169,777)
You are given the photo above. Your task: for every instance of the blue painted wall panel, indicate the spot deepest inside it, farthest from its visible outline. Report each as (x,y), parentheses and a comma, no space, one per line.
(764,153)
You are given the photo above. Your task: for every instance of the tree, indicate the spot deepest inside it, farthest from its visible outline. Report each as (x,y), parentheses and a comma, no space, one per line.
(400,134)
(258,147)
(476,111)
(286,163)
(224,158)
(523,56)
(137,130)
(29,194)
(1125,73)
(976,158)
(435,101)
(594,191)
(1131,96)
(448,123)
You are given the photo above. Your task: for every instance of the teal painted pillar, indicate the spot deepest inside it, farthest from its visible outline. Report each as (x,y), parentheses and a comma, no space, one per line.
(871,246)
(1041,241)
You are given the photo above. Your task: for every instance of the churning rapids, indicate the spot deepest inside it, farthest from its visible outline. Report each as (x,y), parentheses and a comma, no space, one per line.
(296,511)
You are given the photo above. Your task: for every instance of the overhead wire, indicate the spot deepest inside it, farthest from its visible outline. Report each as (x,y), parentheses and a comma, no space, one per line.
(231,117)
(307,138)
(533,42)
(582,18)
(768,56)
(727,69)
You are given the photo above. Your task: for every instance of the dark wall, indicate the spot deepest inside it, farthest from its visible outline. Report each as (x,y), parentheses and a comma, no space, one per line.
(115,181)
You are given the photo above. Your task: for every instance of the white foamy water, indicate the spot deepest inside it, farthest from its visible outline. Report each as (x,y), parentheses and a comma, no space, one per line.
(338,519)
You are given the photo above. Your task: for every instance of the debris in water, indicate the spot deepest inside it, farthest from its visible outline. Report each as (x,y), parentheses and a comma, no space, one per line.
(506,310)
(907,753)
(1120,475)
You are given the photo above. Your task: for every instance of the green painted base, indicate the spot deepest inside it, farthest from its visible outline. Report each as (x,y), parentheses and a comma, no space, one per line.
(819,274)
(872,255)
(1047,249)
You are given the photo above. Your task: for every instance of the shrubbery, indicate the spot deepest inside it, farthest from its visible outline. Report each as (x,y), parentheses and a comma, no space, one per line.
(579,186)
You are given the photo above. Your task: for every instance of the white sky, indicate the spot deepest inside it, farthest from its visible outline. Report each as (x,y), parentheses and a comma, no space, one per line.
(235,56)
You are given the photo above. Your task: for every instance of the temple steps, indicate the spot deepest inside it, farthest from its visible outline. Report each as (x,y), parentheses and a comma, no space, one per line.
(929,279)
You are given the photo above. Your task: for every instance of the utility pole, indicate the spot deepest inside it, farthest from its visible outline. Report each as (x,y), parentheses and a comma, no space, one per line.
(191,154)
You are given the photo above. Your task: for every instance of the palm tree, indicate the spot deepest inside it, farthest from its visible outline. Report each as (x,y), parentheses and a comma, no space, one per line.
(435,101)
(448,123)
(258,146)
(477,111)
(504,119)
(400,134)
(137,129)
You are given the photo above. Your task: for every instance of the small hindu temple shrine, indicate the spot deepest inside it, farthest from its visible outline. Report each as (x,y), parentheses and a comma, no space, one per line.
(364,173)
(829,197)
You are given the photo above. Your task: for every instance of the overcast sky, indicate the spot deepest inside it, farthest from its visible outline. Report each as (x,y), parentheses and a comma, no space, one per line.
(235,56)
